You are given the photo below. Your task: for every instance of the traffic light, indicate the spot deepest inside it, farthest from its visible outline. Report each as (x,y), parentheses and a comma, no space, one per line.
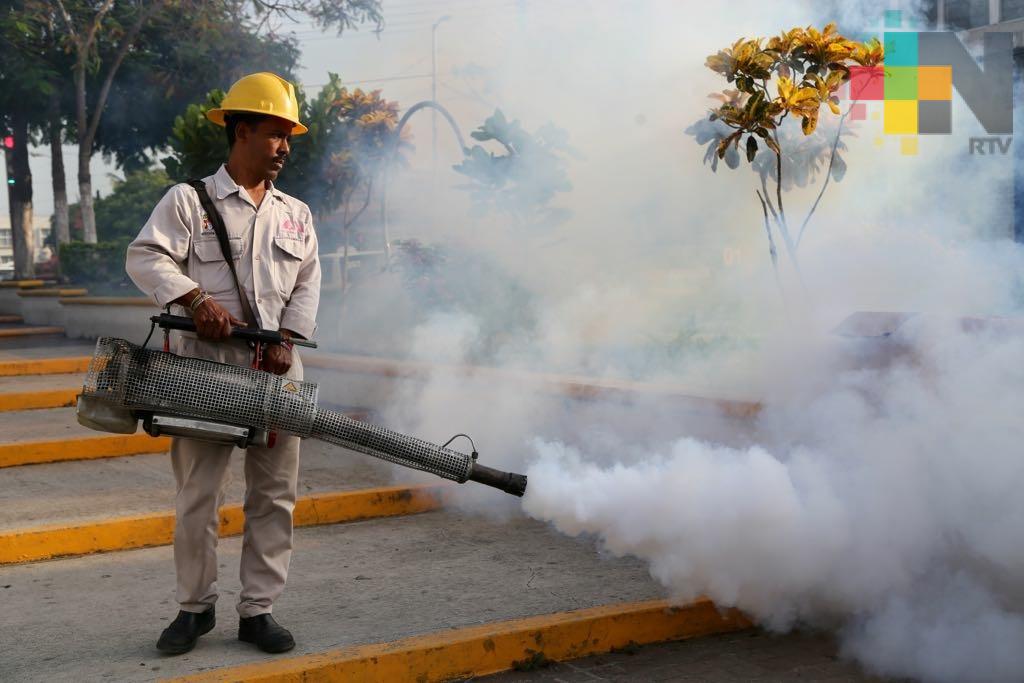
(9,144)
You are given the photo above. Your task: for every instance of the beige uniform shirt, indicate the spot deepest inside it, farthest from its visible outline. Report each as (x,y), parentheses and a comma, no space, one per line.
(274,247)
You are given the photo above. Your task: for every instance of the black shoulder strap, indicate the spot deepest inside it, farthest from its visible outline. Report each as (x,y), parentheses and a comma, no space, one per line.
(225,246)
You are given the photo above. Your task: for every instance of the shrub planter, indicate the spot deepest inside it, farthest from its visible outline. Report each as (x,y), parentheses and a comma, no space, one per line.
(89,317)
(41,306)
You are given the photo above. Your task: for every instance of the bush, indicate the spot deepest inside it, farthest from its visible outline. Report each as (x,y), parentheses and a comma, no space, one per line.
(98,267)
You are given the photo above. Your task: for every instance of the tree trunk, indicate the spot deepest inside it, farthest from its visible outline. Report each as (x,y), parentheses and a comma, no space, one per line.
(62,223)
(85,199)
(19,195)
(84,153)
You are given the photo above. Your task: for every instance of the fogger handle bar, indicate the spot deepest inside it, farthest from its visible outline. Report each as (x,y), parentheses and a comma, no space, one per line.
(180,322)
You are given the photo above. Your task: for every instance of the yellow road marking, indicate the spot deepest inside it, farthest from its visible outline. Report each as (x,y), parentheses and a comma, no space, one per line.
(32,400)
(489,648)
(141,531)
(44,366)
(29,331)
(16,453)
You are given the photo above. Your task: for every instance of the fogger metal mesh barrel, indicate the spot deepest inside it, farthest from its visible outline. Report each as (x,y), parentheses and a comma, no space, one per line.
(144,380)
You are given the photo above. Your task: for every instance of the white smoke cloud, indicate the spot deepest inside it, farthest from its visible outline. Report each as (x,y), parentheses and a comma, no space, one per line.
(883,501)
(876,494)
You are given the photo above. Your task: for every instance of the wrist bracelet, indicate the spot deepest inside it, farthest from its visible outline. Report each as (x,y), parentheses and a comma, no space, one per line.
(199,301)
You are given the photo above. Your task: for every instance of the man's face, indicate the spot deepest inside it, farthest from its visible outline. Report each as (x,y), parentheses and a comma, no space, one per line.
(266,145)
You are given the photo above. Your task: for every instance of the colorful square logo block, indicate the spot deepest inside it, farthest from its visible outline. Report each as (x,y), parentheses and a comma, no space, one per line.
(935,83)
(900,117)
(900,82)
(935,117)
(900,49)
(867,83)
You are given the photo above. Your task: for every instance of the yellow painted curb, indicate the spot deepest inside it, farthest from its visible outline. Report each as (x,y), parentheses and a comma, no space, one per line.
(111,301)
(578,388)
(21,284)
(29,331)
(17,453)
(44,366)
(489,648)
(33,400)
(141,531)
(54,293)
(10,319)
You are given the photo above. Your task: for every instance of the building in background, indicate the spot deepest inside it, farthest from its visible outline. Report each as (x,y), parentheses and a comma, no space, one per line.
(972,19)
(41,225)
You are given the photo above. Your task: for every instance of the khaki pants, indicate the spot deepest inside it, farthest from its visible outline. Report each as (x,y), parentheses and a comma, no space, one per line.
(201,471)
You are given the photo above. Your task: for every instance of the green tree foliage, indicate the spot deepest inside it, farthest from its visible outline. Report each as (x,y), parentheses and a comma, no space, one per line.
(105,37)
(99,267)
(333,166)
(523,180)
(197,145)
(119,217)
(181,56)
(122,213)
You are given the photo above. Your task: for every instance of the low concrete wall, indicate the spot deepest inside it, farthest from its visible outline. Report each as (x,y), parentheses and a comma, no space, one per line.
(10,302)
(89,317)
(41,306)
(565,407)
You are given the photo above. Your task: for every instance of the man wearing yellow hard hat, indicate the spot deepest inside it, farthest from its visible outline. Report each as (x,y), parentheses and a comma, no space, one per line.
(272,280)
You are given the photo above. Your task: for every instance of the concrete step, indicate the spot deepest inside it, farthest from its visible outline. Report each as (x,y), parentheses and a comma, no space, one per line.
(69,493)
(16,331)
(36,358)
(54,435)
(98,617)
(31,392)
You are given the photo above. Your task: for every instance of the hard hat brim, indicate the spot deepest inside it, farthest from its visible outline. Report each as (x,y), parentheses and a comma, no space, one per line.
(217,116)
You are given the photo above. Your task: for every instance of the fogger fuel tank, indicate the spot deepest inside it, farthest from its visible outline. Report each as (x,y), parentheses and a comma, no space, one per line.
(204,399)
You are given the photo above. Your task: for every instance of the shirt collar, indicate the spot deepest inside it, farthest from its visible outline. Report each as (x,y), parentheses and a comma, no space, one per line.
(226,185)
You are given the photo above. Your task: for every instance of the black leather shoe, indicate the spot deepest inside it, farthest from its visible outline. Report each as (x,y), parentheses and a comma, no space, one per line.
(181,635)
(266,633)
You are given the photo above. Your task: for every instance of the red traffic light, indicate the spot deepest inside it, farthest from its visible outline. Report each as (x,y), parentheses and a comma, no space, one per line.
(9,142)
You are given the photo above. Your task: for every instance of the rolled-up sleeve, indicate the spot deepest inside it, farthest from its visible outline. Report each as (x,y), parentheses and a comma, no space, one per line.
(299,313)
(155,259)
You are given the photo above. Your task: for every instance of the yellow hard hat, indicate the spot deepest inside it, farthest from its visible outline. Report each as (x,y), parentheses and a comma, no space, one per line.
(261,93)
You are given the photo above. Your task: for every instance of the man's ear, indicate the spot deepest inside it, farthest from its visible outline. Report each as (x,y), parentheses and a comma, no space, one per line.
(242,131)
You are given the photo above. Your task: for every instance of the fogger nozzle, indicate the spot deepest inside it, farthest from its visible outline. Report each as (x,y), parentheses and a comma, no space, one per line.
(506,481)
(126,382)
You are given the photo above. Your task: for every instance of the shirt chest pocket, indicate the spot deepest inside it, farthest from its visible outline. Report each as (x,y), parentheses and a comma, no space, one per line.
(208,267)
(288,253)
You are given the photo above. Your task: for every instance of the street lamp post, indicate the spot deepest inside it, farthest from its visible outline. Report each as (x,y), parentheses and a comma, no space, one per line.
(433,91)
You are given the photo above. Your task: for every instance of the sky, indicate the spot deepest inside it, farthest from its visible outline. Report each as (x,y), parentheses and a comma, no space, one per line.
(398,61)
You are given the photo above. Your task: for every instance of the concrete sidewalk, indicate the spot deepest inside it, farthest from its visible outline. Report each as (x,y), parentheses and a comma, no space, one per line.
(98,617)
